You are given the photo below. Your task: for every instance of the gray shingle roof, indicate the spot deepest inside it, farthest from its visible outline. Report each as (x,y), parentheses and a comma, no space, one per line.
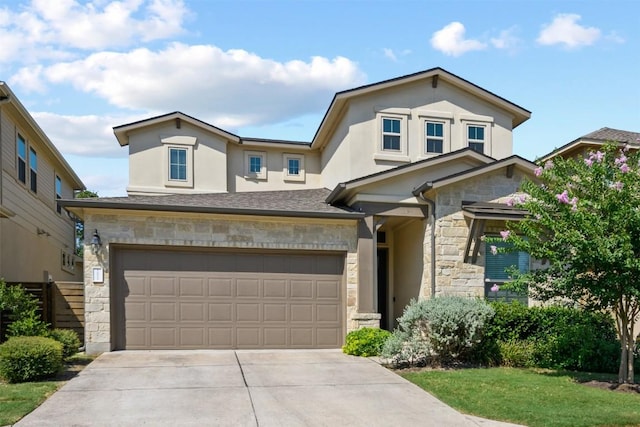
(290,203)
(617,135)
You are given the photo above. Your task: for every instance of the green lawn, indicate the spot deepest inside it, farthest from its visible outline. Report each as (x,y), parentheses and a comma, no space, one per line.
(17,400)
(530,397)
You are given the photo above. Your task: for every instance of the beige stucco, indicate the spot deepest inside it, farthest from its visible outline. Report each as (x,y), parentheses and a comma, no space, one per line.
(206,231)
(33,235)
(148,160)
(354,147)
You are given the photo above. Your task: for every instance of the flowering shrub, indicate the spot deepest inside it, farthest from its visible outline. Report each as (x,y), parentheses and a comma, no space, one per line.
(584,221)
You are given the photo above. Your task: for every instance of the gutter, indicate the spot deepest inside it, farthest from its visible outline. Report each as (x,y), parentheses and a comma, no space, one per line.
(77,203)
(333,196)
(419,192)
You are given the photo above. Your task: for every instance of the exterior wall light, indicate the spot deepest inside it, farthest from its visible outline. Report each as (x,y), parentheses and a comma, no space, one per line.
(96,243)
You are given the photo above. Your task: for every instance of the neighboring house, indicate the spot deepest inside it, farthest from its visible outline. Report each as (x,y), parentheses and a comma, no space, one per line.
(37,236)
(594,140)
(233,242)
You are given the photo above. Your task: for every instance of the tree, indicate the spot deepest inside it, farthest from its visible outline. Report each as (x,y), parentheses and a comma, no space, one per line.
(584,226)
(84,194)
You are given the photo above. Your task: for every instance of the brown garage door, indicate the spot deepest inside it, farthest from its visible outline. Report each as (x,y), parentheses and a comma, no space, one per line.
(185,299)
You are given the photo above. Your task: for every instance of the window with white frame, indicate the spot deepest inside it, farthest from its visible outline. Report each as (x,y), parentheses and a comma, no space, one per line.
(476,137)
(179,160)
(22,159)
(33,170)
(58,193)
(255,164)
(391,134)
(177,164)
(434,137)
(293,167)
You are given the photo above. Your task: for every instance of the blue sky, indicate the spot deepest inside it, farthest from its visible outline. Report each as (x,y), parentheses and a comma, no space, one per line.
(270,68)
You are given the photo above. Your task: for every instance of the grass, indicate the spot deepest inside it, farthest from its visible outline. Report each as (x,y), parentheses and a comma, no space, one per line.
(531,397)
(17,400)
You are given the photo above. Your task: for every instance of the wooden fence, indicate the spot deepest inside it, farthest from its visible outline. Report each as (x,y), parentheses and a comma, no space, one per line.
(61,304)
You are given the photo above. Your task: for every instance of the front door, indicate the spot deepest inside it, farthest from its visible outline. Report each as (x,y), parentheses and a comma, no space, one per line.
(383,285)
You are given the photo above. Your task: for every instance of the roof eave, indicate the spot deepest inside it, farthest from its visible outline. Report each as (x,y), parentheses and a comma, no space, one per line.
(87,204)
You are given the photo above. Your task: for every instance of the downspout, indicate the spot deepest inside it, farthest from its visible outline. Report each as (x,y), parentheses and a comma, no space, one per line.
(432,220)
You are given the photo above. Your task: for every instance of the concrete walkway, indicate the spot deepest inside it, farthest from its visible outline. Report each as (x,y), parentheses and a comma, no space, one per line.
(242,388)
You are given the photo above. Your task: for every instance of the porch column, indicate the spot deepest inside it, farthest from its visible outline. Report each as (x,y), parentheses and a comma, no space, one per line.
(367,271)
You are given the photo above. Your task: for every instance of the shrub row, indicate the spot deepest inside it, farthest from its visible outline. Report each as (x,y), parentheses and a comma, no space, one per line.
(551,337)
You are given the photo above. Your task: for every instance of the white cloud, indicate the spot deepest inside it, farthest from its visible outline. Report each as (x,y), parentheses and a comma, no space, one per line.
(227,88)
(565,30)
(389,54)
(450,40)
(506,40)
(53,29)
(84,135)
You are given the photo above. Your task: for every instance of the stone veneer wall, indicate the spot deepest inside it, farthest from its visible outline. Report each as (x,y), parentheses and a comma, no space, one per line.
(453,275)
(214,231)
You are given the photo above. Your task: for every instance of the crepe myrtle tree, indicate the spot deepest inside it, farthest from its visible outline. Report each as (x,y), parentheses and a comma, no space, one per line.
(583,224)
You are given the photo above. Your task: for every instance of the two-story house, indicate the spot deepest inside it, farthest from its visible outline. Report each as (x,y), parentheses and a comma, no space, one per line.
(232,242)
(37,236)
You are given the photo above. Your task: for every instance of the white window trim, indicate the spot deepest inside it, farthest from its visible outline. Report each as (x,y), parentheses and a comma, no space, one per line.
(285,167)
(482,121)
(57,196)
(401,155)
(181,143)
(436,117)
(262,175)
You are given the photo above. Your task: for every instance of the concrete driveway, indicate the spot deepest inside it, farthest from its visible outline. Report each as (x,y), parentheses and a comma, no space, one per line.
(241,388)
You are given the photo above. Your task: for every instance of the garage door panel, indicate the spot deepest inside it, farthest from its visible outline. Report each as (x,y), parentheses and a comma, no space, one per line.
(301,337)
(192,287)
(275,288)
(301,313)
(221,312)
(301,289)
(274,337)
(221,337)
(163,337)
(163,311)
(192,311)
(250,312)
(163,287)
(221,287)
(228,300)
(327,313)
(275,312)
(326,289)
(248,337)
(248,288)
(192,337)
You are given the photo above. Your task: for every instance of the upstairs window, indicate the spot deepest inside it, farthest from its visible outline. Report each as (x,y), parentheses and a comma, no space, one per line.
(22,159)
(391,134)
(293,168)
(58,193)
(434,134)
(476,138)
(177,164)
(255,164)
(33,167)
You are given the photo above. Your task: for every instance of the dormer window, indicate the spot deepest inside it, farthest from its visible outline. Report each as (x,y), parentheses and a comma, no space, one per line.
(293,167)
(179,160)
(476,138)
(391,134)
(255,164)
(177,164)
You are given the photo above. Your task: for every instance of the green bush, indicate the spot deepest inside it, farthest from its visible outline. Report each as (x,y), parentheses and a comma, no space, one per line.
(22,308)
(29,358)
(557,337)
(439,330)
(365,342)
(69,340)
(27,326)
(517,354)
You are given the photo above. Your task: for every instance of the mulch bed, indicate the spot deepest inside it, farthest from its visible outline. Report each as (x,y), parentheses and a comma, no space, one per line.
(613,386)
